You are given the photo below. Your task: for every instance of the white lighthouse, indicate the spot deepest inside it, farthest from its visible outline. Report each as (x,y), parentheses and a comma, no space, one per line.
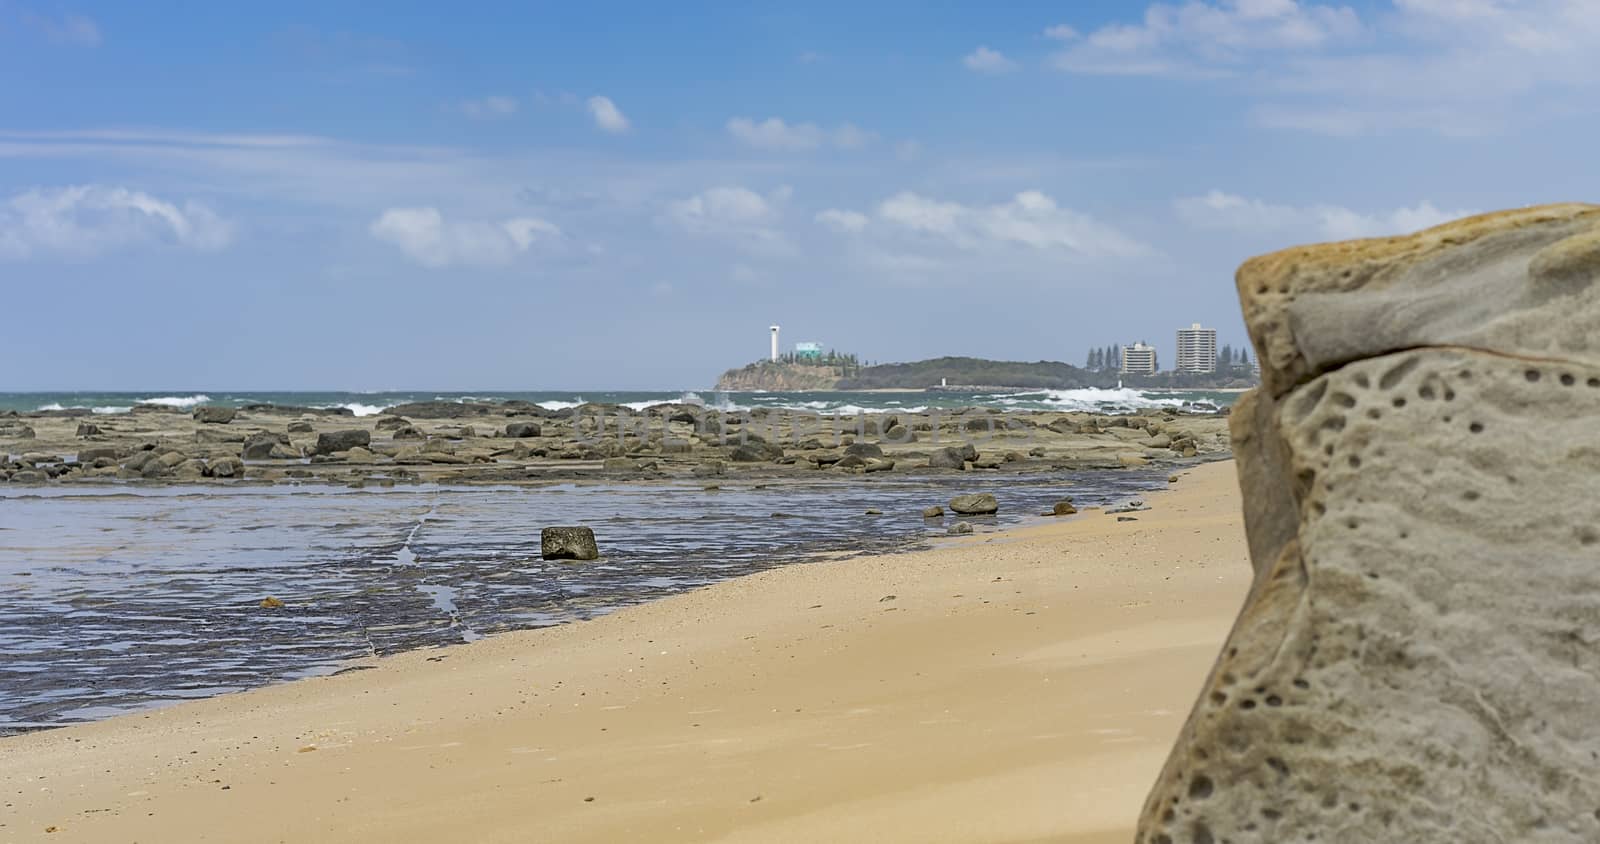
(774,344)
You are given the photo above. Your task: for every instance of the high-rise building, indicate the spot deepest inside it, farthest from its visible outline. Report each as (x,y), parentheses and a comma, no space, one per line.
(1138,359)
(1197,349)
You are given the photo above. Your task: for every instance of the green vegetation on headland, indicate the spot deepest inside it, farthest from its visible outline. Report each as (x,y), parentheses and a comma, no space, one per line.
(962,372)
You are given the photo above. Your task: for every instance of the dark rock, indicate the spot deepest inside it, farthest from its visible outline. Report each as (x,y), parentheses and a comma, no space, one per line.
(863,450)
(260,446)
(441,409)
(960,528)
(300,426)
(88,429)
(214,415)
(934,512)
(90,455)
(754,452)
(386,422)
(226,467)
(1063,508)
(332,441)
(407,433)
(981,504)
(523,429)
(568,543)
(952,457)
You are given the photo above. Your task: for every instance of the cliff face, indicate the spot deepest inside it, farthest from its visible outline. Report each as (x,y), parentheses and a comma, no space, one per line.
(1416,659)
(779,377)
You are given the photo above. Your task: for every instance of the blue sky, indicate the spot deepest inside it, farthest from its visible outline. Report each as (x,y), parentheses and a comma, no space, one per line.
(570,196)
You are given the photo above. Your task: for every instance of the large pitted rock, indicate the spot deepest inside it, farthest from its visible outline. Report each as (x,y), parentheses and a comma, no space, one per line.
(981,504)
(568,543)
(1417,657)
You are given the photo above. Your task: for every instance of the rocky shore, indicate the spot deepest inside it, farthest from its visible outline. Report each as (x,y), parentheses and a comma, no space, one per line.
(520,442)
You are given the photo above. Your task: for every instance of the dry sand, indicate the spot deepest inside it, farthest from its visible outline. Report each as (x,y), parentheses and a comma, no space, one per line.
(1022,686)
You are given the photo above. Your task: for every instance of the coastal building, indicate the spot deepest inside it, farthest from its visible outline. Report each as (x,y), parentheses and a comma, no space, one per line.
(1138,359)
(774,330)
(1197,349)
(808,351)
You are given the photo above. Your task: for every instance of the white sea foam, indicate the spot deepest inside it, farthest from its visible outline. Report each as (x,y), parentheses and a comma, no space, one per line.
(1091,399)
(556,404)
(55,405)
(178,401)
(111,409)
(363,409)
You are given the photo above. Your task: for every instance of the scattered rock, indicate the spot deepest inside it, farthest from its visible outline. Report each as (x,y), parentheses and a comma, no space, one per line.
(90,455)
(620,464)
(519,430)
(226,467)
(980,504)
(934,512)
(568,543)
(960,528)
(271,603)
(863,450)
(1063,507)
(88,429)
(300,426)
(873,511)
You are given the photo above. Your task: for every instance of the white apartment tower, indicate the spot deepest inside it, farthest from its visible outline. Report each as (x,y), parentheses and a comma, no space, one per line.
(1197,349)
(1138,359)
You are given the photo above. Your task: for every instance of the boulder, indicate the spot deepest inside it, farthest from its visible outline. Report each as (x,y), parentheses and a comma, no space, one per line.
(523,429)
(214,415)
(980,504)
(708,469)
(1063,507)
(755,452)
(300,426)
(407,432)
(260,446)
(879,464)
(332,441)
(1416,658)
(948,458)
(568,543)
(850,461)
(226,467)
(960,528)
(88,429)
(359,455)
(387,422)
(863,450)
(90,455)
(933,512)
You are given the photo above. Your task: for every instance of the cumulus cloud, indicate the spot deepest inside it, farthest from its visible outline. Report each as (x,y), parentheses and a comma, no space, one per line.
(734,213)
(776,134)
(425,236)
(844,222)
(1030,219)
(986,60)
(85,220)
(1203,37)
(1221,210)
(607,116)
(489,107)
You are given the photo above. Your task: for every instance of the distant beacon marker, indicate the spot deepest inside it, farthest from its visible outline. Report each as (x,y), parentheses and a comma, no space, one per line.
(774,330)
(568,543)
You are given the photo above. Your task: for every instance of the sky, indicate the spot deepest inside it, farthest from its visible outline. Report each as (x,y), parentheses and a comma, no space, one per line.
(625,195)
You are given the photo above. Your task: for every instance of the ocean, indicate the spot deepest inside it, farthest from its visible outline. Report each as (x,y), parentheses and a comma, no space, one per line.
(372,403)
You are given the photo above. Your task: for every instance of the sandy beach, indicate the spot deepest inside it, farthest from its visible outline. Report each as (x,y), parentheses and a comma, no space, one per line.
(1020,686)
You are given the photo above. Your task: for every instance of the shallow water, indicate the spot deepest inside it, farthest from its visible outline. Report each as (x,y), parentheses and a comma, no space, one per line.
(114,600)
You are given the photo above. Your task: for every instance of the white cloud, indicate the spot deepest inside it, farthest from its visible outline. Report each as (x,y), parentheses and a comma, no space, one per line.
(843,222)
(85,220)
(735,213)
(426,237)
(1030,219)
(1221,210)
(70,29)
(776,134)
(1061,32)
(986,60)
(607,116)
(489,107)
(1205,38)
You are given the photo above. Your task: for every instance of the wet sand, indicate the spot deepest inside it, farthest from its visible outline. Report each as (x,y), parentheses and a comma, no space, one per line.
(1008,687)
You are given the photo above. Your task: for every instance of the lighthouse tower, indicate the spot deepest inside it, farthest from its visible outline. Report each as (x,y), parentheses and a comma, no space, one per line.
(774,344)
